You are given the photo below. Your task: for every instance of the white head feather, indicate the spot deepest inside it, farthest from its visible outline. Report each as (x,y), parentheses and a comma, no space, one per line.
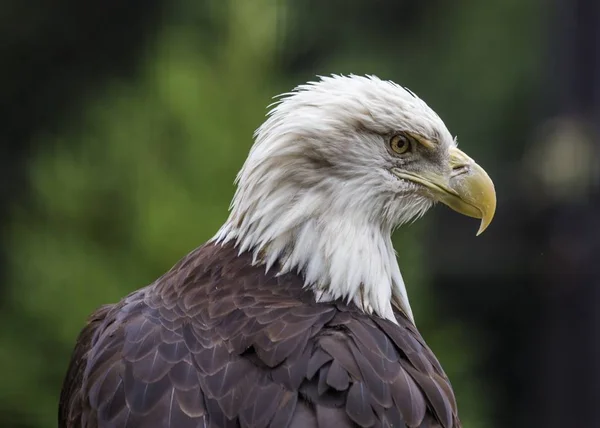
(316,192)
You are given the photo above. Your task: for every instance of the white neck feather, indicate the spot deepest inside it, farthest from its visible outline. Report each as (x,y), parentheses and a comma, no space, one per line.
(351,258)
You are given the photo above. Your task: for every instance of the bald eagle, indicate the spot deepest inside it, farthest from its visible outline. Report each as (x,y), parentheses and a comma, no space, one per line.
(295,313)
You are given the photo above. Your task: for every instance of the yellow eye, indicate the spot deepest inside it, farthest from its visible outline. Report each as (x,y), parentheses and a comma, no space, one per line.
(401,144)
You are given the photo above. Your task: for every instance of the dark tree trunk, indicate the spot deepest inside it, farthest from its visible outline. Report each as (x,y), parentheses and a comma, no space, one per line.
(531,283)
(565,356)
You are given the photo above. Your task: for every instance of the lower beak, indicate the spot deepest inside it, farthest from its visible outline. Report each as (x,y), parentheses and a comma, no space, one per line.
(468,190)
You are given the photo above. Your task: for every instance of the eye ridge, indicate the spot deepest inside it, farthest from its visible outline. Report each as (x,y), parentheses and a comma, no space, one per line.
(401,144)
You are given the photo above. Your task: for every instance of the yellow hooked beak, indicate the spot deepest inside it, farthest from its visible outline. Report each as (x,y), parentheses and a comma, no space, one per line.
(468,190)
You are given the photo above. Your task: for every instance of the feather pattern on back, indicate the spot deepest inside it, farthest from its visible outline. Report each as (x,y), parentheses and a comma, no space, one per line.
(218,342)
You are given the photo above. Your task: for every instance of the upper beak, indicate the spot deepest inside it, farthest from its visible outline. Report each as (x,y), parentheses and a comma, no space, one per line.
(468,190)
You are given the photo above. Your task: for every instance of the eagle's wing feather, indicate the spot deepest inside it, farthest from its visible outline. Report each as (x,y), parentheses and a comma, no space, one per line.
(71,403)
(219,343)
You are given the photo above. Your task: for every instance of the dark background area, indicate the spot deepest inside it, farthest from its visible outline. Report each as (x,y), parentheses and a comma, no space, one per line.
(123,125)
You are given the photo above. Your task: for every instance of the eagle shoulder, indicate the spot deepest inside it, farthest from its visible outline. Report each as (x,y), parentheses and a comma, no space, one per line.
(217,342)
(71,402)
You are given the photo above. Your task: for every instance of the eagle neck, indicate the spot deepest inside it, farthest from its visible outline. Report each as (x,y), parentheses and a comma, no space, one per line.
(339,255)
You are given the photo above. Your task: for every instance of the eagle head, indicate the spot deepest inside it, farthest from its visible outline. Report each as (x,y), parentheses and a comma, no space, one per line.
(337,165)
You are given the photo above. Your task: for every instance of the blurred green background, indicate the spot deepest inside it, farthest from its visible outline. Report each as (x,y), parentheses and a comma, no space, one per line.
(125,125)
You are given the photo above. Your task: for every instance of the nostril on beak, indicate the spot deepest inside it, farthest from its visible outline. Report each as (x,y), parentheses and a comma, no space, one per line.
(460,169)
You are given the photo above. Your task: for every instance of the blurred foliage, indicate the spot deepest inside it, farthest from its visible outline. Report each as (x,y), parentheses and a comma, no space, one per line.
(146,174)
(120,197)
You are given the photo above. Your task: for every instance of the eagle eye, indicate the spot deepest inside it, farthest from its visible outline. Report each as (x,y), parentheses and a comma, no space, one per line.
(401,144)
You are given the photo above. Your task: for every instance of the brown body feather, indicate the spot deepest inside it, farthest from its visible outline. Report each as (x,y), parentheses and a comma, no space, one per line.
(219,343)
